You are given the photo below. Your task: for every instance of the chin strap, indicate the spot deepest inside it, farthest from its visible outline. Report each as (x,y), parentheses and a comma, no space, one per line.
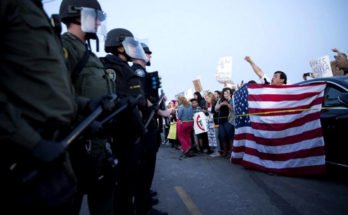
(92,36)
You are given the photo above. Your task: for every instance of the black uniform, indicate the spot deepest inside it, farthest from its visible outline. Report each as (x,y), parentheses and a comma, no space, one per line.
(36,104)
(127,129)
(150,143)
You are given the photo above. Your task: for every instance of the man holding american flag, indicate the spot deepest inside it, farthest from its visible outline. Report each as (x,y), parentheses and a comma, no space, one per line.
(278,128)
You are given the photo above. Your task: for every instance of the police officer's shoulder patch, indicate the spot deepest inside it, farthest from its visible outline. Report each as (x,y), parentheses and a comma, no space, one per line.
(66,53)
(140,72)
(111,73)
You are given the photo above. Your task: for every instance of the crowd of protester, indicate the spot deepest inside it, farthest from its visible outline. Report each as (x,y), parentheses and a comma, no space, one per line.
(216,140)
(218,107)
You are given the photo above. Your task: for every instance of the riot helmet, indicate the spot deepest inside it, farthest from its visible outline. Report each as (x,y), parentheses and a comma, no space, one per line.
(89,11)
(115,37)
(120,37)
(86,13)
(148,53)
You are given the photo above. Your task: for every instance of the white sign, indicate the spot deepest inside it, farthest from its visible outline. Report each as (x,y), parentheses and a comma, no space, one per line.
(189,93)
(200,123)
(224,70)
(321,67)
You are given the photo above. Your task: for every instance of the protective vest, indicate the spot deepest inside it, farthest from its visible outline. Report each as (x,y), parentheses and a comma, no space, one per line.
(93,80)
(127,82)
(130,123)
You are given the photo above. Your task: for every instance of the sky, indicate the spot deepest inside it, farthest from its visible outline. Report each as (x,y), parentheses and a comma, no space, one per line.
(188,37)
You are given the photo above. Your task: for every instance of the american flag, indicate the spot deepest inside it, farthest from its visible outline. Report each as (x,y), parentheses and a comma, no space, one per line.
(278,128)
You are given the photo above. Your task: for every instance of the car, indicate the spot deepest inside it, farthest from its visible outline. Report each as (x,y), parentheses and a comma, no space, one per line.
(334,119)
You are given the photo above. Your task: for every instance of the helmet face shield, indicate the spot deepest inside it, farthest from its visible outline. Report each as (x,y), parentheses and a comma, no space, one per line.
(92,19)
(134,49)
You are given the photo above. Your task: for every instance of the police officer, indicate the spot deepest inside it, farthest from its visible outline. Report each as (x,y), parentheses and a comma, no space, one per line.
(144,197)
(90,79)
(122,47)
(36,104)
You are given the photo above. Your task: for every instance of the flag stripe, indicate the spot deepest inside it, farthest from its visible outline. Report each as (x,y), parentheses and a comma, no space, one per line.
(259,125)
(286,140)
(317,151)
(299,170)
(273,149)
(238,149)
(286,118)
(257,106)
(280,98)
(284,89)
(298,162)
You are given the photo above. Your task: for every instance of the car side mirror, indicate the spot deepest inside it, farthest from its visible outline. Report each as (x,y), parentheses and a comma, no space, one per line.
(343,99)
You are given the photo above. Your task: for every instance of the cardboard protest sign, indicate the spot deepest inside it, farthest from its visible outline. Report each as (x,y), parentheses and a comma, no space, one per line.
(197,84)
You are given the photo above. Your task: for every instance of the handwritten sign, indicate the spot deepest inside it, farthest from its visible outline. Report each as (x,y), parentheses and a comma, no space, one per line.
(224,70)
(321,67)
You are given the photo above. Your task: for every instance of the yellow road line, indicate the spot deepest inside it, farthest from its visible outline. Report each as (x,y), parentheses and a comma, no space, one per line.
(192,208)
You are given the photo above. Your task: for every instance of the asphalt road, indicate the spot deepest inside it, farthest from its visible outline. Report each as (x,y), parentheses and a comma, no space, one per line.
(214,186)
(203,185)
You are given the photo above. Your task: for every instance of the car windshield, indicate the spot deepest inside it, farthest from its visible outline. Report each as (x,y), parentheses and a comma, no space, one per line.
(335,87)
(342,78)
(334,90)
(331,96)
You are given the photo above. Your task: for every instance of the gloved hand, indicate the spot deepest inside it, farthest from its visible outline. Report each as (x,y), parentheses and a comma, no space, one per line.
(121,102)
(95,127)
(47,151)
(130,100)
(106,103)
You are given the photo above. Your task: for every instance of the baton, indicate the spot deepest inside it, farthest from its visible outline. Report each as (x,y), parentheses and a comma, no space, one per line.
(66,142)
(120,109)
(84,124)
(152,114)
(27,176)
